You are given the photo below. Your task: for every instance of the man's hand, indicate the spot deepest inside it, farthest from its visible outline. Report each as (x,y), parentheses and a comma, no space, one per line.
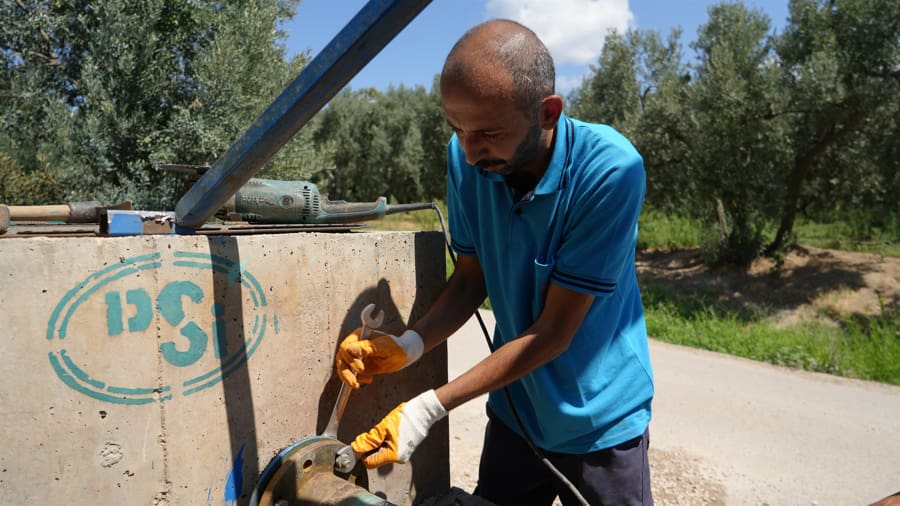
(399,433)
(358,361)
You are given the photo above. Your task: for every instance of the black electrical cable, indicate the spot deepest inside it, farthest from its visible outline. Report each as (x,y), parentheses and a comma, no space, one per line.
(540,455)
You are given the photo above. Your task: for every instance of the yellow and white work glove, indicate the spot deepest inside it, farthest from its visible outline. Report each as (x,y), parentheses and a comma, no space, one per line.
(358,361)
(399,433)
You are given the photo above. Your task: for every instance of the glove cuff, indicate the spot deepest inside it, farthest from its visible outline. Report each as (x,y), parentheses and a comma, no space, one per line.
(431,406)
(421,412)
(412,344)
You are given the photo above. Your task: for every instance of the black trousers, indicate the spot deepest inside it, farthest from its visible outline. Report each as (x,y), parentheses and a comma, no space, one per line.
(511,474)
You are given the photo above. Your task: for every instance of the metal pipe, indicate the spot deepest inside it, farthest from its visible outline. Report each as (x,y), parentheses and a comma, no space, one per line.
(376,24)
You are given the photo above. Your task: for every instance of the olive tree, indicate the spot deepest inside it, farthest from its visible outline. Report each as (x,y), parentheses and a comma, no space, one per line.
(99,94)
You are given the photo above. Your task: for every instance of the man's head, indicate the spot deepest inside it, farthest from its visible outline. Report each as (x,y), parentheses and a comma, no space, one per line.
(497,86)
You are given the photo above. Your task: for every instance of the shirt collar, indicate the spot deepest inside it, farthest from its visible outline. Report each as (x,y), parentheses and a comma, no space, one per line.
(552,181)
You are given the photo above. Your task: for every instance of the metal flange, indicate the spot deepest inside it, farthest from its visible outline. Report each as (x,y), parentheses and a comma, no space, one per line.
(304,474)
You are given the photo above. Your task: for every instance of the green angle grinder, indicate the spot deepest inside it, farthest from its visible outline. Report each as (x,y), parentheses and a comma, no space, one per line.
(285,202)
(271,201)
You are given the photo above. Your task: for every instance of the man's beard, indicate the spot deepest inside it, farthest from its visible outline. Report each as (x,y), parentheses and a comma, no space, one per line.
(526,152)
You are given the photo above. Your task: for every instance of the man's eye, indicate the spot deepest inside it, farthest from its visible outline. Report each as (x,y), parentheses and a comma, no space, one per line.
(491,135)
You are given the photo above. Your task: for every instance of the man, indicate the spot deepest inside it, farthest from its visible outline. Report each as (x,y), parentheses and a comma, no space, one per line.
(543,216)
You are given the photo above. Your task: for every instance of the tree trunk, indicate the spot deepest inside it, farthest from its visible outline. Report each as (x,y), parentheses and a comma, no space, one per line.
(798,177)
(789,209)
(722,219)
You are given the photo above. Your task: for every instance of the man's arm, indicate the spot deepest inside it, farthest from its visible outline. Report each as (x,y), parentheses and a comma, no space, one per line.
(460,298)
(399,433)
(546,339)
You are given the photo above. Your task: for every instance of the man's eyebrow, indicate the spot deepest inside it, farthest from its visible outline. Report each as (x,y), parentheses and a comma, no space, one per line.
(480,130)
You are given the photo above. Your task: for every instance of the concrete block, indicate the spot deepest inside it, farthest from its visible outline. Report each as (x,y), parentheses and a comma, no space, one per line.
(172,369)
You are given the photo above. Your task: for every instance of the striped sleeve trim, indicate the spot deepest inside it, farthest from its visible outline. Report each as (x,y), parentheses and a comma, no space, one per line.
(462,250)
(583,283)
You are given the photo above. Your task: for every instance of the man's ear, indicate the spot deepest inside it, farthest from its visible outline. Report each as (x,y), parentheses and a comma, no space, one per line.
(551,109)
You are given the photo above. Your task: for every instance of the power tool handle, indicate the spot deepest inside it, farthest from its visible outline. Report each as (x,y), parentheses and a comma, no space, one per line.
(342,211)
(344,207)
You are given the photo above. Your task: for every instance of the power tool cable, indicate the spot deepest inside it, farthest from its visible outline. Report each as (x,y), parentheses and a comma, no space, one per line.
(537,451)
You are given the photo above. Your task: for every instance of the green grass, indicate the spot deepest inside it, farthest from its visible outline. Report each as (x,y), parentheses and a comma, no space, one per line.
(864,347)
(661,231)
(846,231)
(425,219)
(852,232)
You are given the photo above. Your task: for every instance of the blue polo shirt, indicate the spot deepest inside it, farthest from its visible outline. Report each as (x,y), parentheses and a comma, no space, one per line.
(578,229)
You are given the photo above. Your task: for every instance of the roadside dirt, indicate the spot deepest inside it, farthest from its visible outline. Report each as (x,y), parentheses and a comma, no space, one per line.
(811,284)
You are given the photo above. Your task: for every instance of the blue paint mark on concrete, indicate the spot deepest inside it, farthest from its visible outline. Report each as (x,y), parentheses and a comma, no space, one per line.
(235,482)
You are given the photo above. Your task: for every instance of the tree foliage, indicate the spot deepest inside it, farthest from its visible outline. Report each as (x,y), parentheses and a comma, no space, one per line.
(100,94)
(763,125)
(389,143)
(841,69)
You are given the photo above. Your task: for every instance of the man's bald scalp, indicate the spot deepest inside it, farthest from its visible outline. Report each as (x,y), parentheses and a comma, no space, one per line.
(510,47)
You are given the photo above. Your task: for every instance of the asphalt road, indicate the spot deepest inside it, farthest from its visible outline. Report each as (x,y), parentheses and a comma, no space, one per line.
(759,434)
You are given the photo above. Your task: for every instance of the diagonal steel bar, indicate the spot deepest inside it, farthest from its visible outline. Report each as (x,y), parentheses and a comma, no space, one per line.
(376,24)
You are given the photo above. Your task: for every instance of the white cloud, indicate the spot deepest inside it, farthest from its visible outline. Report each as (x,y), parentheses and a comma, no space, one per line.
(567,83)
(573,30)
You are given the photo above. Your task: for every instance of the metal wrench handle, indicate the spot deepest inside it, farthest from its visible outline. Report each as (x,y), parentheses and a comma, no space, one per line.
(338,411)
(368,323)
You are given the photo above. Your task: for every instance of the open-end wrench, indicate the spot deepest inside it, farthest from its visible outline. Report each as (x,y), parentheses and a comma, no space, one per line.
(368,323)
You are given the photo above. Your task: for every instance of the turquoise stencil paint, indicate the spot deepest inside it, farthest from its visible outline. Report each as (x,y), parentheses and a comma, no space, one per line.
(143,315)
(172,309)
(193,335)
(139,299)
(113,313)
(235,482)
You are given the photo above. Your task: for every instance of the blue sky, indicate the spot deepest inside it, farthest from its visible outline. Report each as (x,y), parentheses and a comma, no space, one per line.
(572,29)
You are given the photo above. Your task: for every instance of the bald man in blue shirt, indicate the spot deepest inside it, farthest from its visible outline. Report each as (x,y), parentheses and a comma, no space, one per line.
(543,216)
